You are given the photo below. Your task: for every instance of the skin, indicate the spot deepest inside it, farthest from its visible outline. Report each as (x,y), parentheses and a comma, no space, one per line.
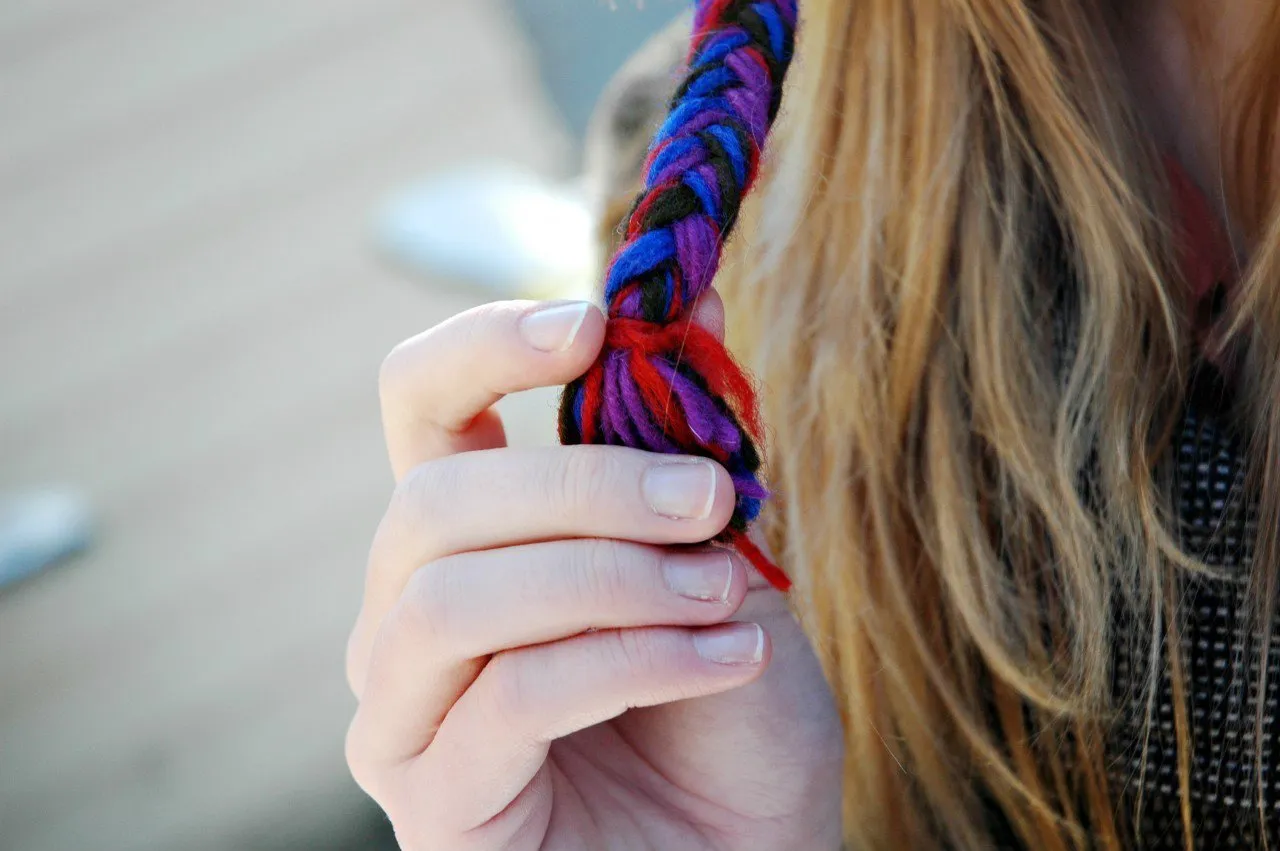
(1179,82)
(527,676)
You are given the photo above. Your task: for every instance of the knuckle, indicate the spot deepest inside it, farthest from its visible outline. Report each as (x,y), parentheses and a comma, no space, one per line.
(362,768)
(385,540)
(389,540)
(484,321)
(513,692)
(600,574)
(421,496)
(396,364)
(424,611)
(637,650)
(470,329)
(417,491)
(355,662)
(481,328)
(584,477)
(409,528)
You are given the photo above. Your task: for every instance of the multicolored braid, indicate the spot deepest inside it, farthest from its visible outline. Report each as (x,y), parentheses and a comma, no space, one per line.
(663,383)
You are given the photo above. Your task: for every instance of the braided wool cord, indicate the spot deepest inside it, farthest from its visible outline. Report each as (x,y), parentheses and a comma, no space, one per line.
(663,383)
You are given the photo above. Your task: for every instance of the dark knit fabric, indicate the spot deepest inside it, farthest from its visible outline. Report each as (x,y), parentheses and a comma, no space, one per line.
(1219,524)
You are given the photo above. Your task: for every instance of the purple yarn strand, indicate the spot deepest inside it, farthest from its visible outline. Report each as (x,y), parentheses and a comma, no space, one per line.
(706,421)
(674,170)
(613,410)
(697,252)
(707,172)
(643,419)
(630,304)
(748,486)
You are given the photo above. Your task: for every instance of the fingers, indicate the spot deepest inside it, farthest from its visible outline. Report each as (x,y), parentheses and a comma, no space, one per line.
(460,610)
(527,698)
(482,500)
(496,498)
(436,388)
(495,738)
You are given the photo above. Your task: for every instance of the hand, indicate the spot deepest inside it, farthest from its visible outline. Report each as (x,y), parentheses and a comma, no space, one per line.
(547,659)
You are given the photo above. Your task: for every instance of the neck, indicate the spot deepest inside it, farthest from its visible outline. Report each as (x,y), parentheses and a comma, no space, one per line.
(1179,57)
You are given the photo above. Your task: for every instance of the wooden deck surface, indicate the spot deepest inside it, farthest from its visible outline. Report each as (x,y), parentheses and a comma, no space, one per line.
(191,320)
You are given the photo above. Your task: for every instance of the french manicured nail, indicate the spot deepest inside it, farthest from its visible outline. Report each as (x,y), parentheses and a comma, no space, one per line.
(684,491)
(734,644)
(553,328)
(699,576)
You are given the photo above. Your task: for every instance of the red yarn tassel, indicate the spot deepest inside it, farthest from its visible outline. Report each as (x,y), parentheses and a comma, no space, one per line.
(770,571)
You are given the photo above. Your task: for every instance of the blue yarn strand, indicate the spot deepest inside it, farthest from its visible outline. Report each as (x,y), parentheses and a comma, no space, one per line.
(773,22)
(648,252)
(717,47)
(685,112)
(673,152)
(706,197)
(711,81)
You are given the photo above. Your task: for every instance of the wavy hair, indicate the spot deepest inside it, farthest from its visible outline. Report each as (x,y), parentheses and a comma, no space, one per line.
(957,285)
(958,288)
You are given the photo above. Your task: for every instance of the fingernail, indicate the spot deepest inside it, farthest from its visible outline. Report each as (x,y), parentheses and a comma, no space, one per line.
(683,491)
(699,576)
(735,644)
(553,328)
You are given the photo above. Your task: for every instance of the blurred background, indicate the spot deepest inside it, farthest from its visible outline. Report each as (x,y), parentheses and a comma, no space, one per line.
(215,220)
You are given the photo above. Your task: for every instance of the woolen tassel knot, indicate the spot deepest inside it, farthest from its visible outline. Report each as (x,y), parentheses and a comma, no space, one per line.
(661,382)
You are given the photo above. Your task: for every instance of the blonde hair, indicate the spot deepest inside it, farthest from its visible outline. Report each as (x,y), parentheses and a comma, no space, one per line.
(957,289)
(956,284)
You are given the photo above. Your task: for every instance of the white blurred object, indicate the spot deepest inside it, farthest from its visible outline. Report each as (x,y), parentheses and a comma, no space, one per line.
(496,226)
(39,529)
